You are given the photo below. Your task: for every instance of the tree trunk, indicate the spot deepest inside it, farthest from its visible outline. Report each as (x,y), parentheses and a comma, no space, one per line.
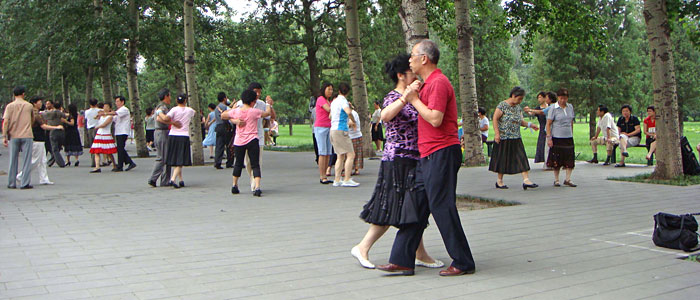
(473,149)
(89,77)
(291,122)
(48,77)
(65,93)
(414,21)
(591,124)
(179,84)
(190,75)
(663,76)
(132,79)
(105,79)
(311,49)
(357,73)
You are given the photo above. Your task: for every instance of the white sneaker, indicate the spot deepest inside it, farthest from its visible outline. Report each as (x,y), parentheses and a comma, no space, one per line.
(46,183)
(437,264)
(337,183)
(363,262)
(350,183)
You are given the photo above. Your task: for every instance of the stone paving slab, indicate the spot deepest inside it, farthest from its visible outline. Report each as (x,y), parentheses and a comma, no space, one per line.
(111,236)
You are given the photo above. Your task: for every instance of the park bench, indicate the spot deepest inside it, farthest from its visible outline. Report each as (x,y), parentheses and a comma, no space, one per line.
(613,159)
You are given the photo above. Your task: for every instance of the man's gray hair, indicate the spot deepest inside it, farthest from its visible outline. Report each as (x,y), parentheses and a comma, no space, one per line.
(430,49)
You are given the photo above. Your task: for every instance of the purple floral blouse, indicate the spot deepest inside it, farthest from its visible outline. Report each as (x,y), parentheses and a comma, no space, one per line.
(401,131)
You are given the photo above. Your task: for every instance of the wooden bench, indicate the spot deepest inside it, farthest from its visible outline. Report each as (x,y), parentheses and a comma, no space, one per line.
(613,158)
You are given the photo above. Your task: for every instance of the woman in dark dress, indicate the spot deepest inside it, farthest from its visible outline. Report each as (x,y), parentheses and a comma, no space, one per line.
(542,119)
(73,146)
(397,170)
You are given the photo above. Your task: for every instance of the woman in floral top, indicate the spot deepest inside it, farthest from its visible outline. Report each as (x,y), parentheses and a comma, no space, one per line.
(397,170)
(509,154)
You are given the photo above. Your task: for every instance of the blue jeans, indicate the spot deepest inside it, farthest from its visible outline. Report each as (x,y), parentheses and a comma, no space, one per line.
(25,146)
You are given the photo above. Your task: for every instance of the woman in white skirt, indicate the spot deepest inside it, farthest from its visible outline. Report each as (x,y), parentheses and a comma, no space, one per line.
(103,142)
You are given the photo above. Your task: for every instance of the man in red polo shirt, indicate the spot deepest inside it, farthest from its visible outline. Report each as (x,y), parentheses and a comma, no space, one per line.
(436,175)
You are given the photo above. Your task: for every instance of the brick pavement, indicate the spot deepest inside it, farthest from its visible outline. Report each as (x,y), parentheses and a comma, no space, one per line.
(111,236)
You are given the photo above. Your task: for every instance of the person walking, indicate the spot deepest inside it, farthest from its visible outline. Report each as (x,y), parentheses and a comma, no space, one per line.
(210,122)
(91,120)
(122,128)
(160,140)
(542,119)
(103,144)
(223,133)
(508,153)
(246,140)
(39,128)
(560,137)
(73,146)
(178,154)
(397,169)
(17,134)
(436,175)
(341,120)
(322,128)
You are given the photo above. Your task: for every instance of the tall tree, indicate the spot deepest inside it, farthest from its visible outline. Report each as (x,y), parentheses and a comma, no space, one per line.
(102,56)
(191,76)
(669,162)
(132,78)
(473,149)
(357,72)
(414,21)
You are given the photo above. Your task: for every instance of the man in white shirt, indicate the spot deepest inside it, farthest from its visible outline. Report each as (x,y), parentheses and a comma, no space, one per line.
(92,121)
(122,126)
(610,137)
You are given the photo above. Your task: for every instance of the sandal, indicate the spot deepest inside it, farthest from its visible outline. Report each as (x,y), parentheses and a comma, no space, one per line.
(620,165)
(325,181)
(569,183)
(556,183)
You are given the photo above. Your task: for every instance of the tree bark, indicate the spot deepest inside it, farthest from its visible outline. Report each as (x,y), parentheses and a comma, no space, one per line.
(132,79)
(179,84)
(65,93)
(414,21)
(357,73)
(48,77)
(311,49)
(473,149)
(190,75)
(89,86)
(669,160)
(102,58)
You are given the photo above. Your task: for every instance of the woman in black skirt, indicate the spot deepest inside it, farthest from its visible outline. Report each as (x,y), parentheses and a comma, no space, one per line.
(397,171)
(178,154)
(377,132)
(508,153)
(560,137)
(72,145)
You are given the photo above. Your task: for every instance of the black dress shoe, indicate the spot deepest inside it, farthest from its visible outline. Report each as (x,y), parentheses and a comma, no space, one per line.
(77,163)
(26,187)
(182,184)
(234,190)
(67,164)
(117,170)
(131,166)
(503,187)
(532,185)
(172,183)
(218,167)
(257,193)
(399,270)
(230,166)
(152,183)
(96,171)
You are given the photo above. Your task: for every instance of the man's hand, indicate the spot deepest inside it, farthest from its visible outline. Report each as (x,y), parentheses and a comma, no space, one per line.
(594,138)
(177,124)
(269,100)
(535,127)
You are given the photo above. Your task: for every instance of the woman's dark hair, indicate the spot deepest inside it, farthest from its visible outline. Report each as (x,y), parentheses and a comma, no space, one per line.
(322,92)
(344,88)
(57,104)
(398,65)
(149,110)
(651,107)
(181,98)
(248,96)
(93,101)
(378,103)
(517,92)
(212,105)
(254,85)
(73,111)
(542,94)
(627,106)
(563,92)
(552,96)
(221,97)
(35,99)
(603,108)
(482,110)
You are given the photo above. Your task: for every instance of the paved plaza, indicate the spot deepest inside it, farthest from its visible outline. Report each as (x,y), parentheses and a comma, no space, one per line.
(111,236)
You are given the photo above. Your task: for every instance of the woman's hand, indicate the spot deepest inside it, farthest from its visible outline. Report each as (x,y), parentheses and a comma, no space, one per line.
(497,138)
(550,143)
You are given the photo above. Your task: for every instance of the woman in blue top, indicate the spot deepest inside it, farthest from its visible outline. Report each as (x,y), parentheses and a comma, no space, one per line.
(210,140)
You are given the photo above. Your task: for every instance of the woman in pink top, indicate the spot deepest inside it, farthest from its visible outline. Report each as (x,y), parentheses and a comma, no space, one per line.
(246,139)
(322,129)
(179,140)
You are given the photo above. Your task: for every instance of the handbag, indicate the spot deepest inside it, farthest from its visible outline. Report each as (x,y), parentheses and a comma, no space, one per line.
(676,231)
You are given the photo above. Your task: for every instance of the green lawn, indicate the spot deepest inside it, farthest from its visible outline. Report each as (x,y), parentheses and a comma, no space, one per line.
(302,137)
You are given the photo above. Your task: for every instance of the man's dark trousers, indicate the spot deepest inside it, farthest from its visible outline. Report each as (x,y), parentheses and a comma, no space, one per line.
(436,181)
(121,151)
(223,138)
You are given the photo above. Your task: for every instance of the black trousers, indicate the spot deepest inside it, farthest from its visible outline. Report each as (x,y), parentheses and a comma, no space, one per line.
(122,156)
(253,149)
(223,138)
(436,175)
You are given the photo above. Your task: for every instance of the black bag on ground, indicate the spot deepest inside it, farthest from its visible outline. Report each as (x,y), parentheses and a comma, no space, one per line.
(690,162)
(676,232)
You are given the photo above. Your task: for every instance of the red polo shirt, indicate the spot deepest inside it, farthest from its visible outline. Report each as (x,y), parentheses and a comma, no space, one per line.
(437,93)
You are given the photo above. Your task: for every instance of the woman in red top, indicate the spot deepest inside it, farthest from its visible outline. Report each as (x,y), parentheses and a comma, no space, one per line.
(650,131)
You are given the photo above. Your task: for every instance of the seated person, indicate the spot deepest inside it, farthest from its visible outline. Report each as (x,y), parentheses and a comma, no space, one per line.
(630,132)
(610,135)
(483,124)
(650,131)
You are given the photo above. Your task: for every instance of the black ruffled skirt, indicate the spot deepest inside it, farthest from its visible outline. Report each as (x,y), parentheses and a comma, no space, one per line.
(392,202)
(561,154)
(178,153)
(509,157)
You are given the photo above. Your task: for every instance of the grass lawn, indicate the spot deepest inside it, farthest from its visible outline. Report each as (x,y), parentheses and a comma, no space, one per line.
(302,138)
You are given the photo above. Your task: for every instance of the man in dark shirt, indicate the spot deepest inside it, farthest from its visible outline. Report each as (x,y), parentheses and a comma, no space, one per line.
(160,140)
(436,174)
(54,118)
(223,134)
(39,159)
(630,132)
